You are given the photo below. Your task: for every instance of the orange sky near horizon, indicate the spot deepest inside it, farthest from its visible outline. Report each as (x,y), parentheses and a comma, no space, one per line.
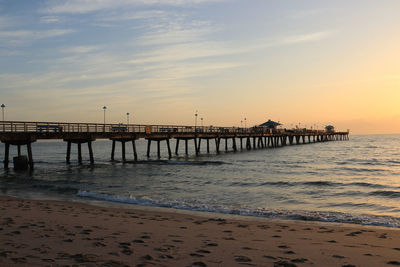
(311,63)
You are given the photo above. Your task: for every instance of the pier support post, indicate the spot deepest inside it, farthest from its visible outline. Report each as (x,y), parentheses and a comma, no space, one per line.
(123,151)
(6,155)
(30,158)
(195,145)
(248,143)
(234,144)
(169,149)
(79,153)
(134,149)
(254,143)
(90,152)
(226,144)
(79,141)
(217,140)
(158,149)
(68,152)
(112,149)
(177,146)
(208,145)
(148,147)
(186,147)
(198,146)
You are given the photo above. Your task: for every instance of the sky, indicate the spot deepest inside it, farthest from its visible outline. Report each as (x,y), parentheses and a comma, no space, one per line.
(308,63)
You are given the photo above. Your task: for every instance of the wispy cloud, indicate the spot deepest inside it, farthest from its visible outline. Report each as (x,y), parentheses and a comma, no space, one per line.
(86,6)
(132,15)
(79,49)
(304,38)
(175,33)
(50,19)
(21,36)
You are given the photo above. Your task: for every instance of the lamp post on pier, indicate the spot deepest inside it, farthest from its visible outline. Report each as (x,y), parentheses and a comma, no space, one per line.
(201,122)
(245,122)
(104,121)
(195,120)
(127,118)
(241,124)
(2,110)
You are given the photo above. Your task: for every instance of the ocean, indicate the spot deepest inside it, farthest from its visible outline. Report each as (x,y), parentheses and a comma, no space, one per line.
(355,181)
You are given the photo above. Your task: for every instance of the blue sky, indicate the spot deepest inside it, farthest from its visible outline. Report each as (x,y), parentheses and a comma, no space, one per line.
(161,60)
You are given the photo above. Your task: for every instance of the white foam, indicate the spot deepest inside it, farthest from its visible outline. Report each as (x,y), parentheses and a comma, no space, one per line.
(260,212)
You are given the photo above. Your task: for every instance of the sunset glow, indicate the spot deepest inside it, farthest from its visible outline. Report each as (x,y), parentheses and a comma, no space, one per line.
(311,63)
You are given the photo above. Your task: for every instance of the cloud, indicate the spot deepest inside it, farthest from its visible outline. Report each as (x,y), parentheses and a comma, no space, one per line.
(133,15)
(304,38)
(50,19)
(21,36)
(79,49)
(177,33)
(87,6)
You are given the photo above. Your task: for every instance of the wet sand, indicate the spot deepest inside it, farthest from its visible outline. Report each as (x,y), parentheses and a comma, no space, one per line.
(54,233)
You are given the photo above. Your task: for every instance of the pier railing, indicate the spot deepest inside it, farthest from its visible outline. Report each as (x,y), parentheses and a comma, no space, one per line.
(65,127)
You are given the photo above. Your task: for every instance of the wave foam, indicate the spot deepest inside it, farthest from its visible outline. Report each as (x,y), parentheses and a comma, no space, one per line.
(266,213)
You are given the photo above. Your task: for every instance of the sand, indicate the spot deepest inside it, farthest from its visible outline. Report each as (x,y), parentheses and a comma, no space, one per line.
(54,233)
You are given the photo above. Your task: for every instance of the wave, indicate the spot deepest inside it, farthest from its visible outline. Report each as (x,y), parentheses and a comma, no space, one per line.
(321,183)
(338,217)
(388,194)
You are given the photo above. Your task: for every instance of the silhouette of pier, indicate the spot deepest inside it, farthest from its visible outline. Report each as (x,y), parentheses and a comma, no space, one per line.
(25,133)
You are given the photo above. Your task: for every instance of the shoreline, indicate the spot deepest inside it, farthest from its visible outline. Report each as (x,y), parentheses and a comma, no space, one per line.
(49,232)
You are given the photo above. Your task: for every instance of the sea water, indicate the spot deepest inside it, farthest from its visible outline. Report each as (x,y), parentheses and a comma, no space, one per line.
(355,181)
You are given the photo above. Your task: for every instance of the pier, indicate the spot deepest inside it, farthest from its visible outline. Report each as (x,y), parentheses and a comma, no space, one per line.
(19,134)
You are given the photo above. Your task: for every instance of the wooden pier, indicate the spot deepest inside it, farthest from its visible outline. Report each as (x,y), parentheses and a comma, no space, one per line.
(25,133)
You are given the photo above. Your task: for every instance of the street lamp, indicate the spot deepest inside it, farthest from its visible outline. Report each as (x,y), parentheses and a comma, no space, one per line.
(195,119)
(241,124)
(127,118)
(2,110)
(104,108)
(201,122)
(245,122)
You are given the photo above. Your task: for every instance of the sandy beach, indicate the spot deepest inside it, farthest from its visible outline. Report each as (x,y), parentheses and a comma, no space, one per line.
(54,233)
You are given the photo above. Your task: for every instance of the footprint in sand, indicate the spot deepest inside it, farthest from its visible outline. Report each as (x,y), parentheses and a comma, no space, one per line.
(203,251)
(301,260)
(147,257)
(354,233)
(196,255)
(284,264)
(242,259)
(283,246)
(338,256)
(384,236)
(396,263)
(199,263)
(289,252)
